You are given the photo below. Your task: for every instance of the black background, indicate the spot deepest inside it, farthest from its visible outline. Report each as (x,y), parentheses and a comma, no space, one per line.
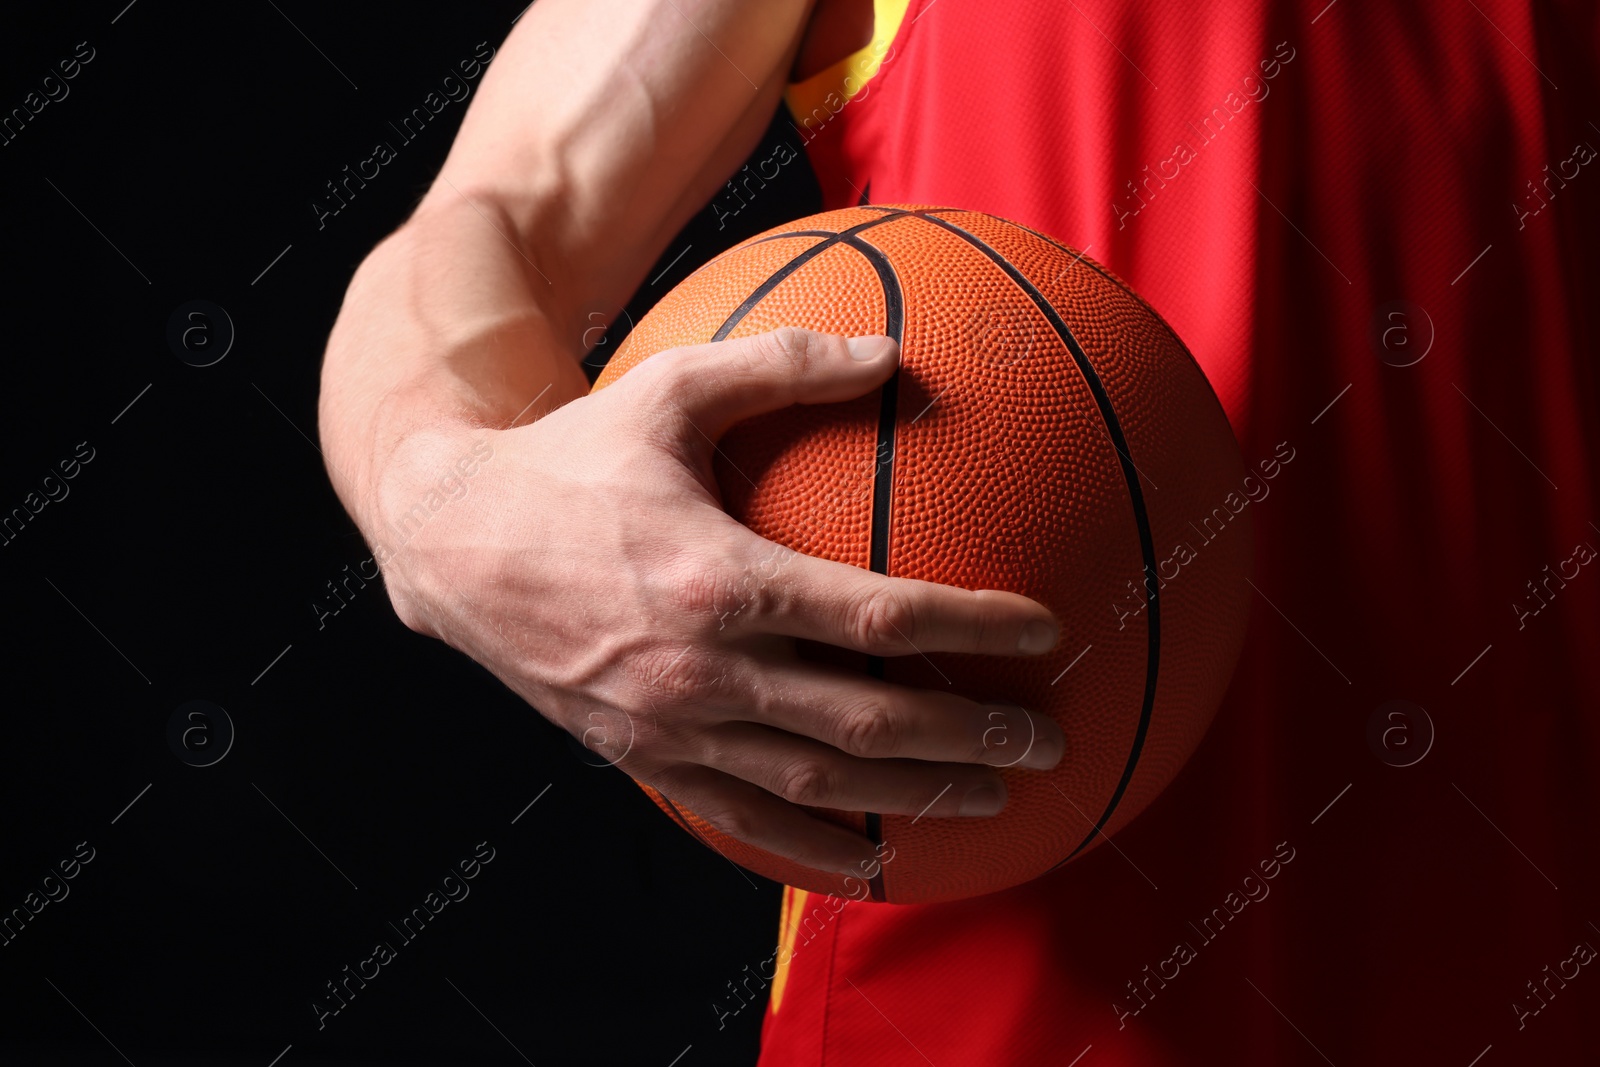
(184,564)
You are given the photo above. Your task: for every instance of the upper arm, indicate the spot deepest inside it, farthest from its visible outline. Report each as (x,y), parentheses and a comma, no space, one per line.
(602,125)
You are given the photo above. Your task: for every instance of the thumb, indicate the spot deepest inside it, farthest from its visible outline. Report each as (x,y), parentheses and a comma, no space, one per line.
(719,384)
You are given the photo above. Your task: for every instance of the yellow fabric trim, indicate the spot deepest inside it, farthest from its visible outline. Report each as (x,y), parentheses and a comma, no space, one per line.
(809,100)
(794,902)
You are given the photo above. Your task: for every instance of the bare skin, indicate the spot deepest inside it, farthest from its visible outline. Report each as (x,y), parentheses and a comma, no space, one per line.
(584,558)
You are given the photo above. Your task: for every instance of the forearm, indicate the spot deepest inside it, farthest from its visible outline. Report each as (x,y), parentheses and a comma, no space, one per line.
(442,333)
(600,127)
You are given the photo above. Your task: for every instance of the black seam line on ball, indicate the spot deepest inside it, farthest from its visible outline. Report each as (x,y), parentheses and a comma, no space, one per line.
(1083,257)
(883,474)
(883,462)
(894,326)
(793,233)
(1141,517)
(790,267)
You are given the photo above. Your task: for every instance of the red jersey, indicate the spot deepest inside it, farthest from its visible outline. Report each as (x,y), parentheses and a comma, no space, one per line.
(1375,226)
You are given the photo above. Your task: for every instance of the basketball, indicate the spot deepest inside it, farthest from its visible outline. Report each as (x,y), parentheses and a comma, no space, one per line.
(1046,434)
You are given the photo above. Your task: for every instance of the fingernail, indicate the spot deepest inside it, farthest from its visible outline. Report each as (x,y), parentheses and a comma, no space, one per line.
(982,800)
(866,349)
(1046,751)
(1037,637)
(1018,739)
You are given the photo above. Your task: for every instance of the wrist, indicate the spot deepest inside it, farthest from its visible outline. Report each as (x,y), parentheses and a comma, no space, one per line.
(427,470)
(439,342)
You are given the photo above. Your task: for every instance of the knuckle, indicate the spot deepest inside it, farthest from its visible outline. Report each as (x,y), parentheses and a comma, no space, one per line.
(757,598)
(883,617)
(806,782)
(711,593)
(980,628)
(870,731)
(695,588)
(680,675)
(786,350)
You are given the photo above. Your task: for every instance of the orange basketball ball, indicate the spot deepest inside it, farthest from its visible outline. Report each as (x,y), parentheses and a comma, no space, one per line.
(1046,434)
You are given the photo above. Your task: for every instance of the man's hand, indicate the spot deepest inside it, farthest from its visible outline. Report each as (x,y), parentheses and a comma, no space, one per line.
(591,568)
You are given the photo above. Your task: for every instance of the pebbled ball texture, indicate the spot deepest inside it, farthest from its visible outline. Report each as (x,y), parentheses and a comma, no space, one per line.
(1098,482)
